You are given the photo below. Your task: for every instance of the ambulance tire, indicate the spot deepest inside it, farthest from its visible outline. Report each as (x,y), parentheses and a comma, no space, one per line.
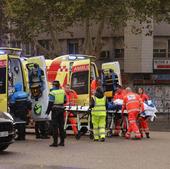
(2,148)
(78,135)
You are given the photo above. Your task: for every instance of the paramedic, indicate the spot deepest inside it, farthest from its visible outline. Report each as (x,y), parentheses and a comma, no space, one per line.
(133,104)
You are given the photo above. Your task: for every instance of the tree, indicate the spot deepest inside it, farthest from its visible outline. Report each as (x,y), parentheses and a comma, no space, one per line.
(31,18)
(34,17)
(3,23)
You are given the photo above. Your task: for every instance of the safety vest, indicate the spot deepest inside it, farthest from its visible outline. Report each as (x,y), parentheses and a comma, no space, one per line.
(100,107)
(59,96)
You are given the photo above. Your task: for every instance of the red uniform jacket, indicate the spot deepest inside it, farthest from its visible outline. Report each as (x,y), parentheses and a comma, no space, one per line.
(71,97)
(132,102)
(144,97)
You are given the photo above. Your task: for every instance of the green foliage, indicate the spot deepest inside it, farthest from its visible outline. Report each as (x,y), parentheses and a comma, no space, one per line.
(3,22)
(30,18)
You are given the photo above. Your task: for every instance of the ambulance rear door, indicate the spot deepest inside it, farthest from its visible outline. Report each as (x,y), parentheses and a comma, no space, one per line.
(4,83)
(39,102)
(115,66)
(80,81)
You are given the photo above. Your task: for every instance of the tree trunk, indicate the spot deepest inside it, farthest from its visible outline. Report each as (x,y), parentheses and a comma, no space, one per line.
(88,45)
(46,52)
(55,41)
(98,41)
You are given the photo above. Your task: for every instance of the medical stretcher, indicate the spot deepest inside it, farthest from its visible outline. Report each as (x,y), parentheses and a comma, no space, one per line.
(82,115)
(110,122)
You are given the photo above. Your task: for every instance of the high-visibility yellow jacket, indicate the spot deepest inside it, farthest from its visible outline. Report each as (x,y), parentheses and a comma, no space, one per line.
(99,108)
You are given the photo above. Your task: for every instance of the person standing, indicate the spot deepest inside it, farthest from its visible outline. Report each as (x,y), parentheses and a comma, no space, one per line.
(119,94)
(57,99)
(133,104)
(20,106)
(143,121)
(71,101)
(98,105)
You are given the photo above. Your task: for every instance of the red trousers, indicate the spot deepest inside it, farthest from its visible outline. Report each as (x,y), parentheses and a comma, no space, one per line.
(117,121)
(73,122)
(132,117)
(143,125)
(117,127)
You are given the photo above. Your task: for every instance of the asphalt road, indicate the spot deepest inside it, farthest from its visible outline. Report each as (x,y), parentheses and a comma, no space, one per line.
(115,153)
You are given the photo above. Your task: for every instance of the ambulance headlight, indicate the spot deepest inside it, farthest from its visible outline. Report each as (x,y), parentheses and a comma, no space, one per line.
(72,57)
(81,57)
(5,115)
(2,52)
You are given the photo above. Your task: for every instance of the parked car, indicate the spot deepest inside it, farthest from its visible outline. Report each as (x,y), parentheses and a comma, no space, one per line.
(7,131)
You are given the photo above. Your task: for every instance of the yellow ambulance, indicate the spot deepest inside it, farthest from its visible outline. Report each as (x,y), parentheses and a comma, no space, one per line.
(76,70)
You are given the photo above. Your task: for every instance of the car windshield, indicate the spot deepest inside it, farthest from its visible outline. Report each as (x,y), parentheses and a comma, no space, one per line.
(79,82)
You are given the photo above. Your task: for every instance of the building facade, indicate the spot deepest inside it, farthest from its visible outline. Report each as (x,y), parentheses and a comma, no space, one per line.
(144,60)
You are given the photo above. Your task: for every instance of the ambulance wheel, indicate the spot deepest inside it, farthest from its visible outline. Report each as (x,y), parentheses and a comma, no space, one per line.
(78,135)
(91,135)
(2,148)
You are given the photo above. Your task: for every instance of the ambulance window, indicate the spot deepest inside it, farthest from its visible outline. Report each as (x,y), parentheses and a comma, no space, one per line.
(16,71)
(3,80)
(93,72)
(79,82)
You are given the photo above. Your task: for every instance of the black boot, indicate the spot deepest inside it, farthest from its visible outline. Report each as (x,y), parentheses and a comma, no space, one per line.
(147,135)
(55,138)
(53,145)
(102,139)
(61,144)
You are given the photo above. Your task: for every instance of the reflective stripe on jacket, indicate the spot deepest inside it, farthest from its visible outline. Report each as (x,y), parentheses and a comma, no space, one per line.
(100,106)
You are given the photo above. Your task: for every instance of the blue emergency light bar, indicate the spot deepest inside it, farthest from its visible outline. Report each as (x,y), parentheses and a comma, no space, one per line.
(10,51)
(75,57)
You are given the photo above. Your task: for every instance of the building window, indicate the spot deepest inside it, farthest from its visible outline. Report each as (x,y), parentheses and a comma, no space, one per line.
(16,44)
(72,47)
(157,53)
(168,48)
(44,44)
(119,53)
(27,49)
(104,55)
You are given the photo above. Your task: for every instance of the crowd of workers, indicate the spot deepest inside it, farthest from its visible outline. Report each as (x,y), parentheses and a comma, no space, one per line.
(132,106)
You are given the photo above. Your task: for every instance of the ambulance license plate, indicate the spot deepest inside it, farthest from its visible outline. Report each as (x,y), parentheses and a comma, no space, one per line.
(4,134)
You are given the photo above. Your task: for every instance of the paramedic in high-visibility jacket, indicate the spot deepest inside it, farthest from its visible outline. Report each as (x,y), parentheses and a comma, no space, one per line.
(98,105)
(133,104)
(57,99)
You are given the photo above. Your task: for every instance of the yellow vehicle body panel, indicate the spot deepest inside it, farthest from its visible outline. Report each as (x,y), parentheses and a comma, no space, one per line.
(61,69)
(4,83)
(116,68)
(80,81)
